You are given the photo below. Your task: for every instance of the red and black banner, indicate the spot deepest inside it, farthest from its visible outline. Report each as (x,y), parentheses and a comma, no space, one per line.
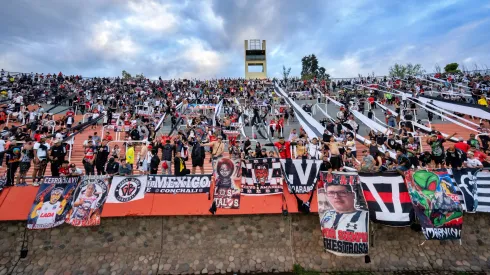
(387,198)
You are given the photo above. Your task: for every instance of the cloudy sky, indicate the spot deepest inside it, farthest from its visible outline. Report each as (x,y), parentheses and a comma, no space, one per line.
(204,39)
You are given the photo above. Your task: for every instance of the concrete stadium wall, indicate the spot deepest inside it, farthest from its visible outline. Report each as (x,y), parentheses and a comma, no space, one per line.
(224,244)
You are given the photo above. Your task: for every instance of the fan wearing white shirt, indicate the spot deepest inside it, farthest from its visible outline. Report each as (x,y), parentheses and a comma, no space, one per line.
(314,149)
(350,143)
(18,101)
(41,149)
(293,135)
(473,162)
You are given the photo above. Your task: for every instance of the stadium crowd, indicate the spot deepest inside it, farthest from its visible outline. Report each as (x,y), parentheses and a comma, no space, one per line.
(137,107)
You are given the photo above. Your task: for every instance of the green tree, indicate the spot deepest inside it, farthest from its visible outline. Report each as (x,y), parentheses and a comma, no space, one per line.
(322,73)
(399,70)
(310,68)
(309,65)
(452,68)
(126,75)
(140,76)
(286,72)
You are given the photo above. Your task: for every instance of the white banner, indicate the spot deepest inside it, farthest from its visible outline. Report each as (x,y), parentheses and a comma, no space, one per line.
(126,189)
(217,110)
(311,126)
(443,116)
(461,108)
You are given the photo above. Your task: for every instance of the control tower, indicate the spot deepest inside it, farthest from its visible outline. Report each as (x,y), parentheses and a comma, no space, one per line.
(255,59)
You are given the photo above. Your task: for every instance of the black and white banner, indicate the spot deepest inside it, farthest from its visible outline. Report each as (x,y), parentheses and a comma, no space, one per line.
(465,108)
(465,179)
(482,191)
(387,198)
(312,127)
(190,184)
(127,189)
(301,174)
(344,219)
(262,177)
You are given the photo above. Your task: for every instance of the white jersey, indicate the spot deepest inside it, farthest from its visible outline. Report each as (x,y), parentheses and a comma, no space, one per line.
(83,211)
(47,213)
(473,163)
(314,151)
(353,222)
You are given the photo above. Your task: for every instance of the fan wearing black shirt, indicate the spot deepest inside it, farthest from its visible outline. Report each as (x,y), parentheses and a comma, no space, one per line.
(436,144)
(331,128)
(112,167)
(326,166)
(391,142)
(101,158)
(262,153)
(57,156)
(380,139)
(326,136)
(455,157)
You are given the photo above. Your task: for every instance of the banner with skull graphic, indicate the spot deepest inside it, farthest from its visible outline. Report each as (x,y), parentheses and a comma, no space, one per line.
(262,177)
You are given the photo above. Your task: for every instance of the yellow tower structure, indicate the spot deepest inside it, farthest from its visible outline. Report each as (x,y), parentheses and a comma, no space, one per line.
(255,59)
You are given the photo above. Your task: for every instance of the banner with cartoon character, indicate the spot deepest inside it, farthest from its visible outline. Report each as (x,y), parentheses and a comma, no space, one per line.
(344,219)
(227,190)
(88,200)
(435,199)
(262,177)
(52,202)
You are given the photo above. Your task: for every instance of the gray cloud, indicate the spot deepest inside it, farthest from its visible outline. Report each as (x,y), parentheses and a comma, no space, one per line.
(205,38)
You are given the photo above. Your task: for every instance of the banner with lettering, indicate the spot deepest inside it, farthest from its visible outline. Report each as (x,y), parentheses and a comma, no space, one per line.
(202,106)
(301,173)
(344,220)
(88,201)
(127,189)
(190,184)
(52,202)
(227,190)
(262,177)
(436,203)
